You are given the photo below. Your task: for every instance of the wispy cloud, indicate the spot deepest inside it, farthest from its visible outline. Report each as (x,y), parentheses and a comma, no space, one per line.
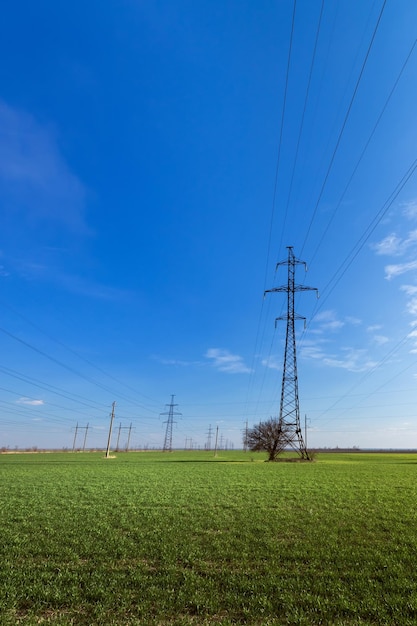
(390,245)
(176,362)
(351,359)
(392,271)
(411,292)
(328,321)
(377,337)
(73,283)
(30,401)
(380,340)
(312,350)
(406,246)
(225,361)
(410,209)
(35,181)
(272,363)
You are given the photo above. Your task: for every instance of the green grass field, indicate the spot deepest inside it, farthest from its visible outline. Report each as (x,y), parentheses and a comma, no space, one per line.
(186,538)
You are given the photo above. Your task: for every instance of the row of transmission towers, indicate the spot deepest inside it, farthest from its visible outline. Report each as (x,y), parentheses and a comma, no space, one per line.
(289,410)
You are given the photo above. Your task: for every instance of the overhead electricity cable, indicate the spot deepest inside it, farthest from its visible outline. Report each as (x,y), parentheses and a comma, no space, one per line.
(281,132)
(67,367)
(337,276)
(364,150)
(351,256)
(332,159)
(30,400)
(340,134)
(72,351)
(51,388)
(271,224)
(32,414)
(367,375)
(300,132)
(265,370)
(383,385)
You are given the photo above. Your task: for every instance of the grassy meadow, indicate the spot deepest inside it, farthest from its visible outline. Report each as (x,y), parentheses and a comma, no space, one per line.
(186,538)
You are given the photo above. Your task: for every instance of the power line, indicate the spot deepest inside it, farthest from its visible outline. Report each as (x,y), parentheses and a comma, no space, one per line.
(71,350)
(355,169)
(343,125)
(65,366)
(302,122)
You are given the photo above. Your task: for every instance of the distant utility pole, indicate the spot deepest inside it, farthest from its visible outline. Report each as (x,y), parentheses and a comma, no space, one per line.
(169,422)
(245,437)
(129,428)
(118,438)
(209,436)
(289,412)
(128,437)
(85,437)
(217,437)
(75,437)
(77,428)
(110,430)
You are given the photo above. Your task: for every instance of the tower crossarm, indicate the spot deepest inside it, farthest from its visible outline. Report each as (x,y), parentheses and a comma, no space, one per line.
(291,288)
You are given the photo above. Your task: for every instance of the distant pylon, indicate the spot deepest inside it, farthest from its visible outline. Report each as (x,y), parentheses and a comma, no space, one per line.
(209,436)
(289,411)
(169,422)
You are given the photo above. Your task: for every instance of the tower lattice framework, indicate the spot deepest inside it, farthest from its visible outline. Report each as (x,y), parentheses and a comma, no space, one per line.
(169,422)
(289,412)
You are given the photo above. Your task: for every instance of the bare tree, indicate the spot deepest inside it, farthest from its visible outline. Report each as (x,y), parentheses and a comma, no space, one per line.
(266,436)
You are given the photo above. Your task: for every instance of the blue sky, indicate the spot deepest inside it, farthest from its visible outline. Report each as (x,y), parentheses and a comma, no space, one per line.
(156,159)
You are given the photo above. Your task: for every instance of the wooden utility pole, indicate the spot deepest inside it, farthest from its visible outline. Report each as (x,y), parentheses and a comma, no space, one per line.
(215,445)
(118,438)
(75,437)
(110,429)
(305,431)
(85,437)
(128,437)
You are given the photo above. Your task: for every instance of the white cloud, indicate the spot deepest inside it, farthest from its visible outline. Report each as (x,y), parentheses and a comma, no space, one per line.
(380,340)
(30,401)
(225,361)
(354,321)
(410,290)
(390,245)
(353,360)
(393,245)
(272,363)
(391,271)
(79,285)
(175,362)
(410,209)
(35,180)
(377,338)
(329,321)
(311,350)
(412,306)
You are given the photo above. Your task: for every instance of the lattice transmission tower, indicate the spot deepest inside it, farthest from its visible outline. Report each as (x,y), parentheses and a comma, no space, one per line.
(169,422)
(289,411)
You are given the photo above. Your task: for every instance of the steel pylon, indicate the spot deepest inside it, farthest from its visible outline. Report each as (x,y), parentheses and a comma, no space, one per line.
(169,422)
(289,411)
